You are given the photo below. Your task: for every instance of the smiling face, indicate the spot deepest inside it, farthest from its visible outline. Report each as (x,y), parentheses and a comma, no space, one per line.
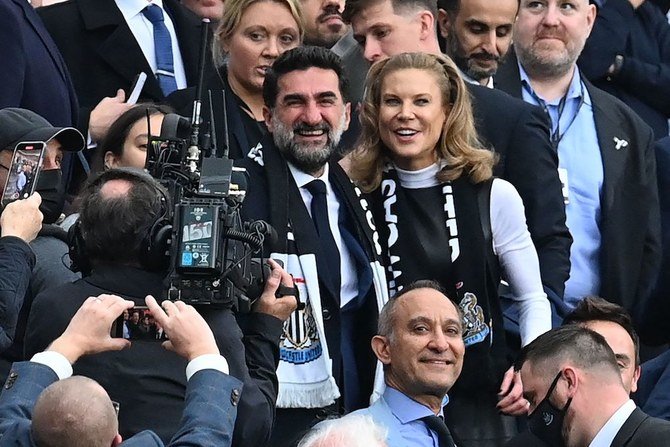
(323,22)
(309,117)
(479,36)
(549,35)
(265,31)
(423,357)
(411,117)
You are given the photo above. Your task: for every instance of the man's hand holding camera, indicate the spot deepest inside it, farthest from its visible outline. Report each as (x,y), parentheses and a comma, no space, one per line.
(22,218)
(89,330)
(189,334)
(268,303)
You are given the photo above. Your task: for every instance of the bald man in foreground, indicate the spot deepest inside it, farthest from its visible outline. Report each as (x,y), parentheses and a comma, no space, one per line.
(76,411)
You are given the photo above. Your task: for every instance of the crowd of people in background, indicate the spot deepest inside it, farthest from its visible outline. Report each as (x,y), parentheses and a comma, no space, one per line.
(469,199)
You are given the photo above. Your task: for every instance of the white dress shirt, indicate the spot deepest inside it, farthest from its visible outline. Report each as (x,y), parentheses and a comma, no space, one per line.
(143,30)
(469,80)
(349,279)
(609,431)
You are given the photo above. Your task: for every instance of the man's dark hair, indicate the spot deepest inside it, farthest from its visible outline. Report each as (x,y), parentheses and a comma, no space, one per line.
(582,347)
(450,6)
(301,59)
(115,228)
(594,308)
(354,7)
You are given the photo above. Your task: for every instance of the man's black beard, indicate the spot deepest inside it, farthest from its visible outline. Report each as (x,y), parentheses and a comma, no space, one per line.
(304,157)
(456,52)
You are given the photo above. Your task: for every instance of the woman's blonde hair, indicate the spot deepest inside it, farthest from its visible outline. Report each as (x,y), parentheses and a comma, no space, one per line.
(458,145)
(232,16)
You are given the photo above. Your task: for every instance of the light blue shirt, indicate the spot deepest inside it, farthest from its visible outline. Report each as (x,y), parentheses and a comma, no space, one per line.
(582,174)
(401,416)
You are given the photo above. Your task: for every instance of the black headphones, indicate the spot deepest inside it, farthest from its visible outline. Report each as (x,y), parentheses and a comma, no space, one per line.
(154,249)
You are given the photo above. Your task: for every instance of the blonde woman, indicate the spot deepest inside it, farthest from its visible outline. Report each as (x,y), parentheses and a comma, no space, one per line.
(442,216)
(248,39)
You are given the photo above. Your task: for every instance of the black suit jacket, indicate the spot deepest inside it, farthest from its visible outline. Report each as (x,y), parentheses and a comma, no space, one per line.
(149,382)
(102,53)
(33,73)
(630,223)
(642,430)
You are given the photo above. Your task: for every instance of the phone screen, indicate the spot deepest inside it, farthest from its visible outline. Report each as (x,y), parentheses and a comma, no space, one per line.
(23,171)
(138,323)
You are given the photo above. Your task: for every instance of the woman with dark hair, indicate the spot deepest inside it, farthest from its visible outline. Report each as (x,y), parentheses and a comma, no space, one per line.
(125,144)
(442,216)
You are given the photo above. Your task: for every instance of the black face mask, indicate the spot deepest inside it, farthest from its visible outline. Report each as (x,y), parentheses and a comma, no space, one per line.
(51,188)
(546,422)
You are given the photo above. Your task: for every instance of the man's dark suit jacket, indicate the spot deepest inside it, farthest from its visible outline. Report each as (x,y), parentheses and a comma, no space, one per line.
(146,378)
(630,221)
(33,73)
(639,430)
(209,414)
(102,53)
(642,430)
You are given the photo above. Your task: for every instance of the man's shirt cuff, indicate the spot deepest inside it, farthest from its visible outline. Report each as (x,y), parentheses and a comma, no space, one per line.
(207,361)
(56,361)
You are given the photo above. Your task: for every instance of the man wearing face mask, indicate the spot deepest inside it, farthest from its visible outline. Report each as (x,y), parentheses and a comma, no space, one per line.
(573,384)
(19,125)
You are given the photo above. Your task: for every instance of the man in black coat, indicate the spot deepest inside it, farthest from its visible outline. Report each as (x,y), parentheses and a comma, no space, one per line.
(572,380)
(102,52)
(628,55)
(606,155)
(326,241)
(517,132)
(116,235)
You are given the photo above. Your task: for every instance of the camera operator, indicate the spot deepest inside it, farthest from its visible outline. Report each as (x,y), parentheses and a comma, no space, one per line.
(122,210)
(49,246)
(76,411)
(19,223)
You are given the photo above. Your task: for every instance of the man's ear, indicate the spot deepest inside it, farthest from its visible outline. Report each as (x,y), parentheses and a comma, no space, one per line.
(571,379)
(427,25)
(117,440)
(380,346)
(636,377)
(443,22)
(347,111)
(267,115)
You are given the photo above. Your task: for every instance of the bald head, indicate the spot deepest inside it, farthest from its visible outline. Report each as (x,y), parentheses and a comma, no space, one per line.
(75,412)
(115,188)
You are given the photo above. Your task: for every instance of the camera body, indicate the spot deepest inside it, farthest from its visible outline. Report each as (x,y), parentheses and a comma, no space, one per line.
(212,252)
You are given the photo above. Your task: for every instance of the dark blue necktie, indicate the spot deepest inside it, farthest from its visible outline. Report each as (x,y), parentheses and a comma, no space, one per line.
(329,249)
(162,48)
(436,424)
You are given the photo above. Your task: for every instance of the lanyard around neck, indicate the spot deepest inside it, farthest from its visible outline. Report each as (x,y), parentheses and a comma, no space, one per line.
(556,135)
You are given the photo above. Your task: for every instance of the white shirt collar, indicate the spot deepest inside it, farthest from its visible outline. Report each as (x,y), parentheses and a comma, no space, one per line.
(302,178)
(609,431)
(423,178)
(130,8)
(469,80)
